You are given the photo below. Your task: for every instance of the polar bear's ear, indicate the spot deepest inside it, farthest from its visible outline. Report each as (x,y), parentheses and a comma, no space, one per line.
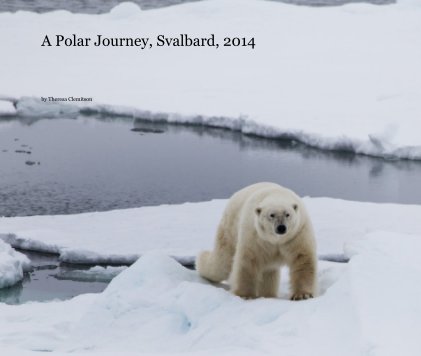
(258,211)
(295,207)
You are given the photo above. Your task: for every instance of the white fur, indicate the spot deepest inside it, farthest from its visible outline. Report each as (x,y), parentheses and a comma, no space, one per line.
(249,250)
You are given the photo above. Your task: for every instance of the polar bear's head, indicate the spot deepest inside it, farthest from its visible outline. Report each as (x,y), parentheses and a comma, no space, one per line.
(277,221)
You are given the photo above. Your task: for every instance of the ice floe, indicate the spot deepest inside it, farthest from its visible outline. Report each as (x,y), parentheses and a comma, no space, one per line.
(181,231)
(315,76)
(7,108)
(12,265)
(157,306)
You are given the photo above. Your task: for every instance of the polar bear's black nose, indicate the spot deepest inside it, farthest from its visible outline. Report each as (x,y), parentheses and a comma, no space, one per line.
(281,229)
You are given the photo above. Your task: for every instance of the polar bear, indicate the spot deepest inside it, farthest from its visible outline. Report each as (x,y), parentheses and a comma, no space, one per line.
(264,226)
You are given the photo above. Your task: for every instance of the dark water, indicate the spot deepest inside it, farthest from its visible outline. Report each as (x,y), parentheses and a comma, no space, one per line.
(103,6)
(52,280)
(64,166)
(44,282)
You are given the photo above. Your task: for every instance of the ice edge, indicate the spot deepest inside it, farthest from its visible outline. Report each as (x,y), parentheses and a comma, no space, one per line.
(374,146)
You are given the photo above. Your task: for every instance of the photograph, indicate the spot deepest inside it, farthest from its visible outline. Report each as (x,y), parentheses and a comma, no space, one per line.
(210,177)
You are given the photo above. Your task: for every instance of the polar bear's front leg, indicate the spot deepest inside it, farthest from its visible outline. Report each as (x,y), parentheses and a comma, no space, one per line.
(244,276)
(269,284)
(303,272)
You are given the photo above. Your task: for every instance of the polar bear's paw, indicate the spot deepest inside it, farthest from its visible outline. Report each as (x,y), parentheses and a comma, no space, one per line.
(301,296)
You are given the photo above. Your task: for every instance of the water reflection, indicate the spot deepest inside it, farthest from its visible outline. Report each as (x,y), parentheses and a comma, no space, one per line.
(98,162)
(252,142)
(11,295)
(43,283)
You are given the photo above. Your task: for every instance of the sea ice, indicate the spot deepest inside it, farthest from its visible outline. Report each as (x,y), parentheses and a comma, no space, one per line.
(361,307)
(93,274)
(12,265)
(181,231)
(7,108)
(337,78)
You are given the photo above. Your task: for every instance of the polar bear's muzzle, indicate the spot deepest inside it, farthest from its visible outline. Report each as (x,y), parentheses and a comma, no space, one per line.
(281,229)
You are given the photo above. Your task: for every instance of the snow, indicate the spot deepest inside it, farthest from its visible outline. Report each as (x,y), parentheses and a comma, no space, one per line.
(12,265)
(334,77)
(362,308)
(93,274)
(121,236)
(40,326)
(392,327)
(28,106)
(6,108)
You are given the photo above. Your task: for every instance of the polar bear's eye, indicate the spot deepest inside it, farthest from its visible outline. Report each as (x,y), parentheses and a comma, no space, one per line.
(287,215)
(272,215)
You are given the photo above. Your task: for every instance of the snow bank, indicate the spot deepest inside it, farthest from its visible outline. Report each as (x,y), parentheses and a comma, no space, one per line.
(362,308)
(369,305)
(12,265)
(39,326)
(94,274)
(162,300)
(390,316)
(7,108)
(121,236)
(342,78)
(28,106)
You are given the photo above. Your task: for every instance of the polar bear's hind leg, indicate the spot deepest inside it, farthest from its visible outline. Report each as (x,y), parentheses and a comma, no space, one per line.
(216,265)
